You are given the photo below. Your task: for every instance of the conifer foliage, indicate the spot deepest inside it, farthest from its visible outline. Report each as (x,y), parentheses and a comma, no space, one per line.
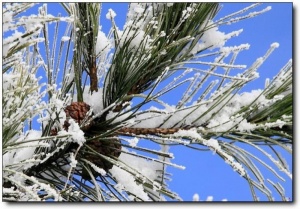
(77,106)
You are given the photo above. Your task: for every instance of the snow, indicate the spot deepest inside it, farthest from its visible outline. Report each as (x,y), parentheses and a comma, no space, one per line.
(65,38)
(162,34)
(133,142)
(25,152)
(135,10)
(116,117)
(138,9)
(138,38)
(5,50)
(128,182)
(163,52)
(94,99)
(165,149)
(278,123)
(213,38)
(212,114)
(111,14)
(245,126)
(196,197)
(99,170)
(223,121)
(7,20)
(212,143)
(73,161)
(77,135)
(135,29)
(147,168)
(209,198)
(103,45)
(192,133)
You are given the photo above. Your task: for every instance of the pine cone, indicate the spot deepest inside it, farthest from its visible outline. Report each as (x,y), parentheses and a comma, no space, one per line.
(77,111)
(110,147)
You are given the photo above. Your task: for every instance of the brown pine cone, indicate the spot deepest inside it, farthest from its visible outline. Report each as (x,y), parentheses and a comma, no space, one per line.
(77,111)
(110,147)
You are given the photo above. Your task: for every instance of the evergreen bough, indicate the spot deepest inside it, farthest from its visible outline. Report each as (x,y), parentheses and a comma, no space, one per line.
(87,151)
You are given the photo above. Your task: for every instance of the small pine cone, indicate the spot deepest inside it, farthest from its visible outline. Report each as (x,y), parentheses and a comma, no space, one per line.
(110,147)
(53,132)
(77,111)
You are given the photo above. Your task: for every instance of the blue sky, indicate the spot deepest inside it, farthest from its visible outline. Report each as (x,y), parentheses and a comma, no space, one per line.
(205,173)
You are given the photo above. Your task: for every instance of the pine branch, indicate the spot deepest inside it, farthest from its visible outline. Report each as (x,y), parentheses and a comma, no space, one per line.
(132,71)
(150,131)
(87,22)
(158,42)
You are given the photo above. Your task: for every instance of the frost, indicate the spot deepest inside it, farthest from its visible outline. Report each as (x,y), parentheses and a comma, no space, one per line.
(214,145)
(275,45)
(267,82)
(252,14)
(21,96)
(228,49)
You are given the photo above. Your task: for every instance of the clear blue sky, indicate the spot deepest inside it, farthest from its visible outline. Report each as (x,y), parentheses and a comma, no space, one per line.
(207,174)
